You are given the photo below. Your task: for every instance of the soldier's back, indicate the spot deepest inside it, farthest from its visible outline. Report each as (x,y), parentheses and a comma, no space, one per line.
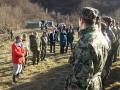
(90,56)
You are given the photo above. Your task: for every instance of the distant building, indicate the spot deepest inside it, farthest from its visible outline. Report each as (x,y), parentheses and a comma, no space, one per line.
(39,24)
(33,24)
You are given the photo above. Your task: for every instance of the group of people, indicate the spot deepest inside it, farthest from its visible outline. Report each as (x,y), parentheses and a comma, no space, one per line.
(63,35)
(37,44)
(93,54)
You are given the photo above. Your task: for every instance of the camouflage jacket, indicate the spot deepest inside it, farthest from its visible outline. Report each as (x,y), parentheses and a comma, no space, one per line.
(111,35)
(34,43)
(43,40)
(89,57)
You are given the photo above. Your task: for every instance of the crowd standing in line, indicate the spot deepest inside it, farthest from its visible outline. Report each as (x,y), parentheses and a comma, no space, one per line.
(91,58)
(37,45)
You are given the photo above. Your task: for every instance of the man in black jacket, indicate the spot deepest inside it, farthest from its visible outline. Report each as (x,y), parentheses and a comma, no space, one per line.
(52,42)
(70,39)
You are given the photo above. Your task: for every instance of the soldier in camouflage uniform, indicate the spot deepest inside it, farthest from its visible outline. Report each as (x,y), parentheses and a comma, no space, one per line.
(43,45)
(118,38)
(112,38)
(109,31)
(35,47)
(116,31)
(89,55)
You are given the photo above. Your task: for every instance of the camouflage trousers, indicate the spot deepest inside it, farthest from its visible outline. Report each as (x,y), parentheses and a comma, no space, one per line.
(107,66)
(36,56)
(43,52)
(94,84)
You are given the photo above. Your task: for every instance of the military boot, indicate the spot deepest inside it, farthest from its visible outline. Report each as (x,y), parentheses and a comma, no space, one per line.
(14,79)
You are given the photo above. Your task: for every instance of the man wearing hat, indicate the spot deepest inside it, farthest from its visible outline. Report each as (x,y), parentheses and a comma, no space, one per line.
(88,56)
(18,58)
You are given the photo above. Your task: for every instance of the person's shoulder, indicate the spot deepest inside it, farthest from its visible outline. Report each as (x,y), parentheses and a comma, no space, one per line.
(50,33)
(89,36)
(13,43)
(100,39)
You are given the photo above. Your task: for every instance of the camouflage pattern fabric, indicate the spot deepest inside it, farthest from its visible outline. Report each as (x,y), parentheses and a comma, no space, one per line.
(35,48)
(111,53)
(43,45)
(88,61)
(111,34)
(118,31)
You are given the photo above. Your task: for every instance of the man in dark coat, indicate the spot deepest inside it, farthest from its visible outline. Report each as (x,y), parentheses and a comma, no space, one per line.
(52,42)
(70,39)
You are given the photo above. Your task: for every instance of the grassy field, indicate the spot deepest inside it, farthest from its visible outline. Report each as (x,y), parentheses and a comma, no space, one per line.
(47,75)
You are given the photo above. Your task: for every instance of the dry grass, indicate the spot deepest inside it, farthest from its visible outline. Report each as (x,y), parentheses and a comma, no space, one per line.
(47,75)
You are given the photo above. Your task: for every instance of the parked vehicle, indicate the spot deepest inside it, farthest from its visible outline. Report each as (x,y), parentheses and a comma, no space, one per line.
(33,24)
(43,24)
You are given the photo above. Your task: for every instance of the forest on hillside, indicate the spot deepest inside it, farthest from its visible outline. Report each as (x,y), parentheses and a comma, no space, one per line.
(15,12)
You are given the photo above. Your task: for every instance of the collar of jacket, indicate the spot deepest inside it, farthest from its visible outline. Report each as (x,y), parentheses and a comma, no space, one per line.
(88,30)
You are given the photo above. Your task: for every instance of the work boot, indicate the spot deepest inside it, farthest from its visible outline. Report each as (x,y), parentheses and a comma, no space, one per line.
(18,75)
(14,79)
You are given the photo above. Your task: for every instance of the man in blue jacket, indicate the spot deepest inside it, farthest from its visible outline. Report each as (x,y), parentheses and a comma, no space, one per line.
(63,40)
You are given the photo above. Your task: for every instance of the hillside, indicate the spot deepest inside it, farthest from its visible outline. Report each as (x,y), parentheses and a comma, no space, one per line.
(68,6)
(15,12)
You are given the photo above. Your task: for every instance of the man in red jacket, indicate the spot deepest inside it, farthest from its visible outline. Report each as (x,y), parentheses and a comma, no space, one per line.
(18,58)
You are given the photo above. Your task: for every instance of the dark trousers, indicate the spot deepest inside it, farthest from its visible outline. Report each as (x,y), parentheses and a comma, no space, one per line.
(71,46)
(62,49)
(36,55)
(52,47)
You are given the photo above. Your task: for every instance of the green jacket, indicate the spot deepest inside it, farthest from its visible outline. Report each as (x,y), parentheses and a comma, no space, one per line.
(89,57)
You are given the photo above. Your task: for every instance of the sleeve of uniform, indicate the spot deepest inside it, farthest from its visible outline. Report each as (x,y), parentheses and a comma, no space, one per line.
(114,37)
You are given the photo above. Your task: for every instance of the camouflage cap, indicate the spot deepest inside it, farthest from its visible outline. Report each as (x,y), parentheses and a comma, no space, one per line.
(103,25)
(107,19)
(89,13)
